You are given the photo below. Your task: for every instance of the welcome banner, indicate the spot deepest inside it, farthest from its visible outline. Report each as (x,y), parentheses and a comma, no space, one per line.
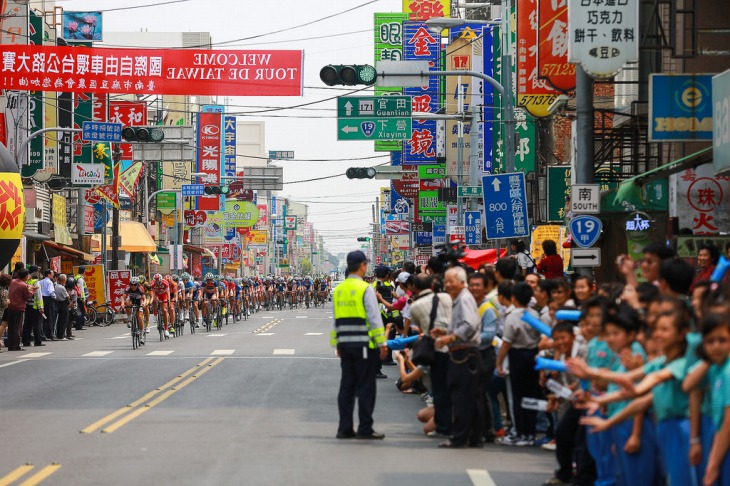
(158,71)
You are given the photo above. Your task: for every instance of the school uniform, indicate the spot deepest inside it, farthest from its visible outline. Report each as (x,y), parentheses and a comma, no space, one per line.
(599,443)
(718,381)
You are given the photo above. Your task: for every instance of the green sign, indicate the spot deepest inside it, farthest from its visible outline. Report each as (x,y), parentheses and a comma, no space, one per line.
(373,128)
(558,180)
(437,219)
(240,214)
(389,47)
(167,200)
(36,151)
(374,106)
(470,191)
(432,172)
(429,204)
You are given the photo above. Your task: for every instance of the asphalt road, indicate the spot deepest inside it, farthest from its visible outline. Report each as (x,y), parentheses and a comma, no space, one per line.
(253,404)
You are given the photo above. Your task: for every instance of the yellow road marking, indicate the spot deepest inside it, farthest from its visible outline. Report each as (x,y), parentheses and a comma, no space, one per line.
(15,474)
(104,420)
(164,396)
(267,326)
(41,475)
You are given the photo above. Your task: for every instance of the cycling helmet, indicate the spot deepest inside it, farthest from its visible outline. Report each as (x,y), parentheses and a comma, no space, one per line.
(157,277)
(175,278)
(209,276)
(134,281)
(70,281)
(142,279)
(186,276)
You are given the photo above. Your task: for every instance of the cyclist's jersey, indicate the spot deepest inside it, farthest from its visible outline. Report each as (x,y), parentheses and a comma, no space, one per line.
(307,284)
(147,288)
(160,288)
(209,288)
(196,290)
(173,290)
(280,287)
(189,286)
(222,289)
(238,291)
(134,294)
(231,287)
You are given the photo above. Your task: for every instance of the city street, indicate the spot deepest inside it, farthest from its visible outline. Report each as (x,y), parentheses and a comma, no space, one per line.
(254,403)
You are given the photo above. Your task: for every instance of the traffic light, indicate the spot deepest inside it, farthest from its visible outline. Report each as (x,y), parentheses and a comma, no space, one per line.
(363,238)
(215,190)
(360,173)
(348,75)
(143,134)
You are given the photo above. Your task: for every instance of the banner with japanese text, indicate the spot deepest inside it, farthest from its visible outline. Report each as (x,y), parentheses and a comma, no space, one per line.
(152,71)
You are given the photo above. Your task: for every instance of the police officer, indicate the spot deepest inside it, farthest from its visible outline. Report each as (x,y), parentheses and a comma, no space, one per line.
(359,337)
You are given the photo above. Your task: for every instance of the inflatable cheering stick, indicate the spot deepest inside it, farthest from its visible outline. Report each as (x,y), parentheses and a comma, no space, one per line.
(399,344)
(12,206)
(568,315)
(550,365)
(720,269)
(537,324)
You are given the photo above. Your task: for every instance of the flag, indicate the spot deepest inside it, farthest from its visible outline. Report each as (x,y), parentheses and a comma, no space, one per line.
(110,192)
(129,179)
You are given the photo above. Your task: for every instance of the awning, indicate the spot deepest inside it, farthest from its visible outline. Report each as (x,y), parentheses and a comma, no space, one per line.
(135,237)
(476,258)
(690,161)
(32,235)
(53,249)
(194,249)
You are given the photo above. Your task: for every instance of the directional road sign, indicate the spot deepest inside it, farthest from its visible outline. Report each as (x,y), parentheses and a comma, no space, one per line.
(505,205)
(585,199)
(473,222)
(92,131)
(585,230)
(470,191)
(585,257)
(193,189)
(439,234)
(374,128)
(374,106)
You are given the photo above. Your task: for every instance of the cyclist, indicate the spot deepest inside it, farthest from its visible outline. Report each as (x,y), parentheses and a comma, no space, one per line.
(161,297)
(209,290)
(135,296)
(173,300)
(307,285)
(196,297)
(323,285)
(187,296)
(147,288)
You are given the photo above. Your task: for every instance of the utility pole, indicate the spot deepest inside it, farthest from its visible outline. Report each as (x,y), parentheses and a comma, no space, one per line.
(115,217)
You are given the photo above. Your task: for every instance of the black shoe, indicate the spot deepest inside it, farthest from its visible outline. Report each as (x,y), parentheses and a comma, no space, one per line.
(380,375)
(371,436)
(38,344)
(43,339)
(475,445)
(450,445)
(346,435)
(81,328)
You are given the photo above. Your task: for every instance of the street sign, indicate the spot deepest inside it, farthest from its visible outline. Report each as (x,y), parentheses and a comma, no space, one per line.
(585,230)
(280,154)
(470,191)
(193,190)
(290,223)
(585,257)
(374,106)
(422,227)
(585,199)
(374,128)
(457,234)
(505,205)
(101,132)
(721,123)
(439,234)
(473,222)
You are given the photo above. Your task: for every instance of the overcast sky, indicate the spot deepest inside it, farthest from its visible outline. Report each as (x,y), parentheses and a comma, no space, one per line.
(340,208)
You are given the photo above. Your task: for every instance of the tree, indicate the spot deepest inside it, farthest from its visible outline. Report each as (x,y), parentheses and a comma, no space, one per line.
(306,267)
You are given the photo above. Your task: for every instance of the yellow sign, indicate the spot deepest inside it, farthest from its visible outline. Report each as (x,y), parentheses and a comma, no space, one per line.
(59,210)
(257,237)
(425,9)
(553,232)
(95,282)
(169,219)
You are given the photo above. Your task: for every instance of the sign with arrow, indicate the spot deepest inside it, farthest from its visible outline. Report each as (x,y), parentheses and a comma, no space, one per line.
(585,257)
(374,106)
(585,230)
(473,222)
(505,205)
(373,128)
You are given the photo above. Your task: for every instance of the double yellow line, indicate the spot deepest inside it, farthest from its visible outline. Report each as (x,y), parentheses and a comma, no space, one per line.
(21,471)
(267,326)
(134,409)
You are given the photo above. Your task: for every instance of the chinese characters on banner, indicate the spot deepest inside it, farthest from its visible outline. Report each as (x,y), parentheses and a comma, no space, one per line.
(388,47)
(94,279)
(703,201)
(158,71)
(425,9)
(210,143)
(533,93)
(229,132)
(552,39)
(603,36)
(128,114)
(118,282)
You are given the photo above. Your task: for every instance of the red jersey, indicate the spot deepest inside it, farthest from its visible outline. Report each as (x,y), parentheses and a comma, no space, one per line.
(160,288)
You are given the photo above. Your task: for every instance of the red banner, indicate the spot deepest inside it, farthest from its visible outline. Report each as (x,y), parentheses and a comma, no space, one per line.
(118,282)
(552,55)
(128,113)
(210,156)
(158,71)
(533,93)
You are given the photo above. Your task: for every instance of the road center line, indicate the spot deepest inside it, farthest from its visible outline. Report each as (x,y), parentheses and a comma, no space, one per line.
(41,475)
(15,474)
(104,420)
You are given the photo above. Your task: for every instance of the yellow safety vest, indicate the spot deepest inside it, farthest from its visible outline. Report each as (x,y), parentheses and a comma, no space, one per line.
(351,322)
(37,302)
(384,310)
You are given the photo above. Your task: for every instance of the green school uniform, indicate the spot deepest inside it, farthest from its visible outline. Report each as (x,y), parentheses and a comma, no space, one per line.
(615,407)
(718,377)
(669,399)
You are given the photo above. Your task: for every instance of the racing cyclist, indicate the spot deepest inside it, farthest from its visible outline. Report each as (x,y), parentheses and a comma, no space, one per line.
(209,289)
(135,296)
(161,297)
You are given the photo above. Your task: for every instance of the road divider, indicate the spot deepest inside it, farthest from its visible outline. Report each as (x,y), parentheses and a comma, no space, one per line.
(267,326)
(19,472)
(144,403)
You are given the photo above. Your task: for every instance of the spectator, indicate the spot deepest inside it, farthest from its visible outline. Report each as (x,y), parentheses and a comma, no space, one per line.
(463,339)
(707,258)
(34,312)
(4,301)
(525,263)
(653,255)
(61,308)
(675,277)
(73,306)
(551,264)
(582,289)
(48,292)
(18,294)
(505,269)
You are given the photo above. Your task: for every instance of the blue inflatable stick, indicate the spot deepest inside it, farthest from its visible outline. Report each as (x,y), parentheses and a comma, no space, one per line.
(399,344)
(550,365)
(720,269)
(568,315)
(537,324)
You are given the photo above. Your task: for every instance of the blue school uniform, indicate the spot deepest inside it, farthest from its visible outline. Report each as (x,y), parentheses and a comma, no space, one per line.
(718,380)
(671,410)
(599,355)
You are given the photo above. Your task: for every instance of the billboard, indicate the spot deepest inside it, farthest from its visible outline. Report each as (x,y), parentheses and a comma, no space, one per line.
(82,26)
(680,107)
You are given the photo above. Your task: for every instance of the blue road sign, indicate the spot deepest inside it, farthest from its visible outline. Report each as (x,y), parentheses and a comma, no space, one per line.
(585,230)
(193,189)
(439,234)
(473,223)
(505,205)
(101,132)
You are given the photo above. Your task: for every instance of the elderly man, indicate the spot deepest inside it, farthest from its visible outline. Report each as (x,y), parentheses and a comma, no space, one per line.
(462,338)
(61,331)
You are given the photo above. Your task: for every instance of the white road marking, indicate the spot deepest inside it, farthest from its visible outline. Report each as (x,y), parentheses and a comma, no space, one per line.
(284,351)
(13,363)
(123,336)
(265,334)
(160,353)
(301,317)
(480,477)
(267,317)
(35,355)
(329,317)
(222,352)
(97,354)
(217,335)
(312,333)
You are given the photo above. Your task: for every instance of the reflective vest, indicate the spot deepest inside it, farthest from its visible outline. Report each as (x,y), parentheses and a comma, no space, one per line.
(82,286)
(351,322)
(386,291)
(34,300)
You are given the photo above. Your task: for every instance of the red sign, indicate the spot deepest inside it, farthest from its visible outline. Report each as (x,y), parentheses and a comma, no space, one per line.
(195,219)
(397,228)
(100,108)
(407,186)
(158,71)
(117,283)
(552,55)
(243,231)
(236,191)
(55,264)
(263,215)
(210,143)
(91,196)
(128,113)
(533,93)
(88,219)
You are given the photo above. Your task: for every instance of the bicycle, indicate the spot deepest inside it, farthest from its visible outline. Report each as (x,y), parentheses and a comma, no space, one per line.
(219,317)
(161,321)
(209,315)
(99,315)
(138,336)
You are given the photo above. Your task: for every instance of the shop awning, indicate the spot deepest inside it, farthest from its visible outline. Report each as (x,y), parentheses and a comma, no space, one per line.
(135,237)
(194,249)
(53,249)
(690,161)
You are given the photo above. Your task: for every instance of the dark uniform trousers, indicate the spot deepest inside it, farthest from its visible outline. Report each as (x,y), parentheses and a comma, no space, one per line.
(32,326)
(358,380)
(465,371)
(440,389)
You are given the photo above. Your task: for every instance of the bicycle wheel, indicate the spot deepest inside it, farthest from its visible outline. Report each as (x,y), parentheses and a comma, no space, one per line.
(90,316)
(160,325)
(133,329)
